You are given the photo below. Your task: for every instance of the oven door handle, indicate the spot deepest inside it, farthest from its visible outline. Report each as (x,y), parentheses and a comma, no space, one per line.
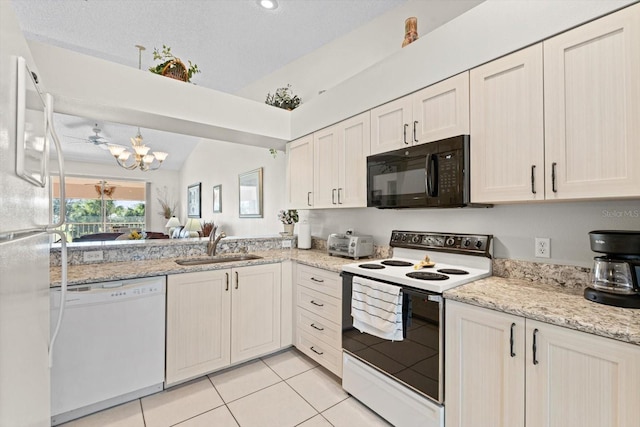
(431,175)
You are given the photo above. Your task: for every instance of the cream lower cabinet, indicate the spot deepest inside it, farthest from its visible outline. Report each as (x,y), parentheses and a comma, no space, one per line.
(221,317)
(318,316)
(436,112)
(495,378)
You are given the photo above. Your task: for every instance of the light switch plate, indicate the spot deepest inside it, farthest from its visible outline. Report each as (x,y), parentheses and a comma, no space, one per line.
(286,244)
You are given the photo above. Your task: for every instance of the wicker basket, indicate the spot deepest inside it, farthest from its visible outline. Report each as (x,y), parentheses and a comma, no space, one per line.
(175,69)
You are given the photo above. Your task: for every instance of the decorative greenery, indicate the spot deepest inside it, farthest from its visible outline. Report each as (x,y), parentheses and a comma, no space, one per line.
(165,56)
(273,152)
(136,235)
(288,217)
(283,98)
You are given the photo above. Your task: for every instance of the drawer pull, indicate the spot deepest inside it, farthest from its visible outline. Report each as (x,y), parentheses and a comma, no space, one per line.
(317,280)
(316,351)
(315,303)
(227,287)
(315,327)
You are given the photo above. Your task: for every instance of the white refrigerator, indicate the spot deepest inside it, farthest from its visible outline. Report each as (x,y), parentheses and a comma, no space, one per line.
(25,233)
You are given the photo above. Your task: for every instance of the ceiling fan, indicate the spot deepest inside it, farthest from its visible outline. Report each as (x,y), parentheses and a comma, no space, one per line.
(95,139)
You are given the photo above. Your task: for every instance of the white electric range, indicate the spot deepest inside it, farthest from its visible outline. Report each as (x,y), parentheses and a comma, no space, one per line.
(403,380)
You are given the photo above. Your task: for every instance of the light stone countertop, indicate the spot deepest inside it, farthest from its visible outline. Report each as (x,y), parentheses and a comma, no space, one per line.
(551,304)
(103,272)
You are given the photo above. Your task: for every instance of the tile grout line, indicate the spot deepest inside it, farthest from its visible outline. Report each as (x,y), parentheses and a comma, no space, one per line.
(225,403)
(144,420)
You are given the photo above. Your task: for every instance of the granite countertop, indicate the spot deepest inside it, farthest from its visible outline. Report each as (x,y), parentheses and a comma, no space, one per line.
(101,272)
(552,304)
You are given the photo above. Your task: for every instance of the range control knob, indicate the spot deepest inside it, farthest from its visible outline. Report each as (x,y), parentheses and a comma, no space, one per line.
(467,242)
(404,237)
(479,244)
(450,241)
(416,238)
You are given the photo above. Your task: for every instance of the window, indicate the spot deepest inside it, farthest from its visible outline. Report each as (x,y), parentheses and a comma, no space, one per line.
(95,205)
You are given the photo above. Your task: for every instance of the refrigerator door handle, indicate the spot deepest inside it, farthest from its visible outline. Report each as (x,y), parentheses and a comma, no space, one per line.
(56,141)
(63,291)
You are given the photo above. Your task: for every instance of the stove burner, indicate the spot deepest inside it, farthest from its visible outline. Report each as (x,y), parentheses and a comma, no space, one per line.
(452,271)
(372,266)
(423,275)
(396,263)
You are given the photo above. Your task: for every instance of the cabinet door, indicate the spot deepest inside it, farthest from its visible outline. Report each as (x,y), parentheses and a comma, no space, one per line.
(326,147)
(255,311)
(198,315)
(300,173)
(578,379)
(352,161)
(441,110)
(507,129)
(592,109)
(484,364)
(390,128)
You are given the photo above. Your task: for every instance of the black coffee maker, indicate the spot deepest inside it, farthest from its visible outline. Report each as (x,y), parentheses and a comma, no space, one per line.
(616,275)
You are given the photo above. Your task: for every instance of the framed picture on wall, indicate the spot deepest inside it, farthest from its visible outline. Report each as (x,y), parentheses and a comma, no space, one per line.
(250,192)
(217,199)
(193,201)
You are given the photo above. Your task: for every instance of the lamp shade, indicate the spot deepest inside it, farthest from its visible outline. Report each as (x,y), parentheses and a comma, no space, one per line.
(173,222)
(193,226)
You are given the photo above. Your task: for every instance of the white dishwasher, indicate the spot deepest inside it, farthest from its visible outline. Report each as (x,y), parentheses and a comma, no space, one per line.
(110,348)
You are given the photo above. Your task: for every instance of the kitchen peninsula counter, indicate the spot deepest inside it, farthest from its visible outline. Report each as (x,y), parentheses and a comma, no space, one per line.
(557,305)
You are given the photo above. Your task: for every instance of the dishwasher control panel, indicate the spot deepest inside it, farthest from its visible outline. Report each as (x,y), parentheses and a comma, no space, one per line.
(110,291)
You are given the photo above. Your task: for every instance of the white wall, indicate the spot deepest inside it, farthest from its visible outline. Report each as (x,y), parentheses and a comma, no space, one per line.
(514,226)
(489,30)
(158,179)
(348,55)
(215,162)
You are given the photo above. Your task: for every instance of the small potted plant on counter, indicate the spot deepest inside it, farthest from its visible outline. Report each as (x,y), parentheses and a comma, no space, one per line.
(288,219)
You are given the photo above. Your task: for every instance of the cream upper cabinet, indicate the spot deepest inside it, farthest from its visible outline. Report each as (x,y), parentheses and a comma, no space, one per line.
(504,370)
(390,125)
(436,112)
(441,110)
(198,324)
(507,128)
(255,311)
(592,109)
(340,163)
(300,173)
(484,367)
(577,379)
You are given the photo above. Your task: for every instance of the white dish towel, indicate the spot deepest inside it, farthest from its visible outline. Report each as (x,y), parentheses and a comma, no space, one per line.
(377,308)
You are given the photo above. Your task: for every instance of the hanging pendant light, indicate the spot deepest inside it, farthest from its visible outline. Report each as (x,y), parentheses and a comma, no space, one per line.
(141,157)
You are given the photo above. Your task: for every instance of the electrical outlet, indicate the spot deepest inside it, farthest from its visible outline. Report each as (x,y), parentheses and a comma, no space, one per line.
(92,256)
(543,247)
(286,244)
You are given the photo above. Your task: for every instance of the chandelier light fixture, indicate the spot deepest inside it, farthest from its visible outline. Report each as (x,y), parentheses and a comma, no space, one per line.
(141,157)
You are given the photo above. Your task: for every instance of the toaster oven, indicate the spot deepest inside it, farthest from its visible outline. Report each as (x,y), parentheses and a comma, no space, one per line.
(349,245)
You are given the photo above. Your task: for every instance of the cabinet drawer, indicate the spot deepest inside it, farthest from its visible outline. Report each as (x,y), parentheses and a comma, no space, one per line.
(318,327)
(321,280)
(319,351)
(316,302)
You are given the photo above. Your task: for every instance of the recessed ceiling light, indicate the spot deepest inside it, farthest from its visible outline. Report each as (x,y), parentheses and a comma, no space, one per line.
(268,4)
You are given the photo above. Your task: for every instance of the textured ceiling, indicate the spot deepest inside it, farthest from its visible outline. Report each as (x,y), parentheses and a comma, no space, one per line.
(233,42)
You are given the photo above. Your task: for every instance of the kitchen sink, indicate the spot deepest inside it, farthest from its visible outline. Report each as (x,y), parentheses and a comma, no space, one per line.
(217,259)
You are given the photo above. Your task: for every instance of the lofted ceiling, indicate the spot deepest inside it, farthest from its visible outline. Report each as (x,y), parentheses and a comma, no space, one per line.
(233,42)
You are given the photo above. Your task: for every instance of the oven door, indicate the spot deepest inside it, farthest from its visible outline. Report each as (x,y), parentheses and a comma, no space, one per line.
(417,360)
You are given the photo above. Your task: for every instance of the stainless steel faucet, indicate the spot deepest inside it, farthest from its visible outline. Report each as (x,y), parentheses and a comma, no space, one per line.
(213,243)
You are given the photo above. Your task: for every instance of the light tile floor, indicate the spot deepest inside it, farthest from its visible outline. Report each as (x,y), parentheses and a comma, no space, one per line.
(284,390)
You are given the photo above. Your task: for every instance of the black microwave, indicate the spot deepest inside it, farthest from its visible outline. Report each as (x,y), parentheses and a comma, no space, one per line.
(431,175)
